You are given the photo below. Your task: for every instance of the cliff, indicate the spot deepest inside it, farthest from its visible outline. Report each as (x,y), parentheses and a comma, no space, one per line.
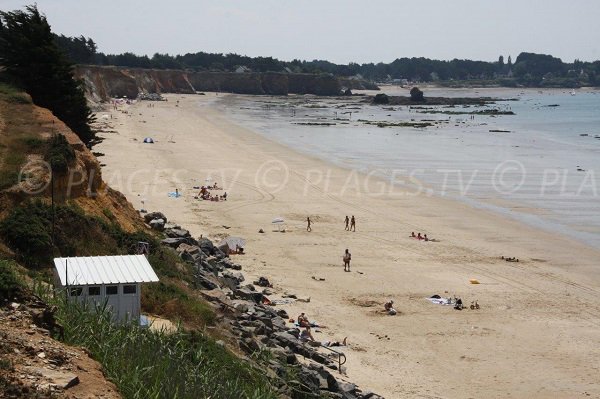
(25,131)
(102,83)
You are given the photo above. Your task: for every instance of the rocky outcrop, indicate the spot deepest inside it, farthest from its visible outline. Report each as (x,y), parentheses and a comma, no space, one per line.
(102,82)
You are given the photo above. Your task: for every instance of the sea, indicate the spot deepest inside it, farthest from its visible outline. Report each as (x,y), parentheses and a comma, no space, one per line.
(540,165)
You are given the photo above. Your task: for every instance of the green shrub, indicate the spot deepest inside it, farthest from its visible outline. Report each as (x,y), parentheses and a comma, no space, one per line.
(166,298)
(27,230)
(10,284)
(59,154)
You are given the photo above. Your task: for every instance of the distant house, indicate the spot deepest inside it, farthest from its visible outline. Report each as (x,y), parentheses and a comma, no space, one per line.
(114,280)
(242,69)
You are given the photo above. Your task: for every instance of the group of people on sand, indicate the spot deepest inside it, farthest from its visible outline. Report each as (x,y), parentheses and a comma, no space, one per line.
(205,193)
(306,333)
(418,236)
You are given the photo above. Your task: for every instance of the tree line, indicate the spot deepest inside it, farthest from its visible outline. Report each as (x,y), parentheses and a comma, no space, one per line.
(33,61)
(528,69)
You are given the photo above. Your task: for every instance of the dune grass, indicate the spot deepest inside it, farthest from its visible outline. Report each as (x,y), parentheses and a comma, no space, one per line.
(149,364)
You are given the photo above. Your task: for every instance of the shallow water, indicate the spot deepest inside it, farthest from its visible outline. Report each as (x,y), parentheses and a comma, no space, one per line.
(543,169)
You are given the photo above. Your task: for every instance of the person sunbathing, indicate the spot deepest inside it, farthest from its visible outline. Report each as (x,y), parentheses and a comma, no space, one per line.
(303,320)
(413,235)
(419,237)
(425,237)
(335,343)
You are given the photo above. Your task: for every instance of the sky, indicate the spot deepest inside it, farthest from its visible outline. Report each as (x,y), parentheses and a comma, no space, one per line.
(339,31)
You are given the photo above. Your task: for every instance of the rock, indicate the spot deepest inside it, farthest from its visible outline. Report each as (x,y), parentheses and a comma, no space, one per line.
(346,387)
(174,233)
(207,246)
(261,231)
(206,280)
(278,323)
(172,225)
(216,295)
(190,253)
(263,282)
(241,306)
(227,263)
(157,224)
(154,215)
(282,313)
(245,293)
(331,382)
(60,379)
(381,98)
(41,355)
(14,305)
(173,242)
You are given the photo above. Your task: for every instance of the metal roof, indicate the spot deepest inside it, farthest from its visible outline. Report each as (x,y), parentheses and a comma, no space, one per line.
(91,270)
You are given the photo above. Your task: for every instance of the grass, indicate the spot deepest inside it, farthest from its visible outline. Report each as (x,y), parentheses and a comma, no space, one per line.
(20,135)
(148,364)
(13,94)
(10,284)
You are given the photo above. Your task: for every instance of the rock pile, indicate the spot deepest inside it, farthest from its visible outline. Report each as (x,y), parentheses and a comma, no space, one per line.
(258,325)
(150,97)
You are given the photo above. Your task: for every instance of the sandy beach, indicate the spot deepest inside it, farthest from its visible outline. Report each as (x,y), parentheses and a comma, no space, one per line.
(537,334)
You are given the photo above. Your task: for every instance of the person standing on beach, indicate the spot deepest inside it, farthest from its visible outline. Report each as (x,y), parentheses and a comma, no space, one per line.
(308,228)
(347,258)
(352,224)
(347,220)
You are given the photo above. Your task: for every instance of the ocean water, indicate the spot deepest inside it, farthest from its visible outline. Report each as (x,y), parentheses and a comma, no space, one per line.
(540,166)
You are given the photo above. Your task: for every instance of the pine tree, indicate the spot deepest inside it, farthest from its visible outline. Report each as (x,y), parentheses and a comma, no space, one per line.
(32,60)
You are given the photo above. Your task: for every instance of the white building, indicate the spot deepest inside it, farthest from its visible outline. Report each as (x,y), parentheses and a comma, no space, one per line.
(114,280)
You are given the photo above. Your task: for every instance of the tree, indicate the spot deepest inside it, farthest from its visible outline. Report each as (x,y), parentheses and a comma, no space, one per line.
(33,61)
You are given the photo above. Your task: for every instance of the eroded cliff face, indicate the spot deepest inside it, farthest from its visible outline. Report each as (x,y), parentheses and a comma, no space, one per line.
(102,83)
(81,184)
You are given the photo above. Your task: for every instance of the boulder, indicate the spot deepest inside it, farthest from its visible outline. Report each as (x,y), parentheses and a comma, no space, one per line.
(245,293)
(381,98)
(174,233)
(157,224)
(154,215)
(173,242)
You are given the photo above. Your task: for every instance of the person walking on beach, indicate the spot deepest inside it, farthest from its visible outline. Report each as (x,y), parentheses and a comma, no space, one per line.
(352,224)
(308,228)
(347,220)
(347,258)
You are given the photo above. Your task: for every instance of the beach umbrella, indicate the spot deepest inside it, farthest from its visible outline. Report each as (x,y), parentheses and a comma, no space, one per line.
(148,140)
(278,222)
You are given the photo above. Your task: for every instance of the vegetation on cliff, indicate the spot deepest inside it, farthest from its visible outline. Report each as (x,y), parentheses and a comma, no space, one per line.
(33,61)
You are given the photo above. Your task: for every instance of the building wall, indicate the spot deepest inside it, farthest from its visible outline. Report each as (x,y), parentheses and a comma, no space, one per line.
(119,298)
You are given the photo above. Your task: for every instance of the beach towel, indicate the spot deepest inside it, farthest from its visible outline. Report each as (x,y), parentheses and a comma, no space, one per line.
(282,301)
(312,324)
(440,301)
(174,195)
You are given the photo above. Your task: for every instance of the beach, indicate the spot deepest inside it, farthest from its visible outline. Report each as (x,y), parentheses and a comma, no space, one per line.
(536,334)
